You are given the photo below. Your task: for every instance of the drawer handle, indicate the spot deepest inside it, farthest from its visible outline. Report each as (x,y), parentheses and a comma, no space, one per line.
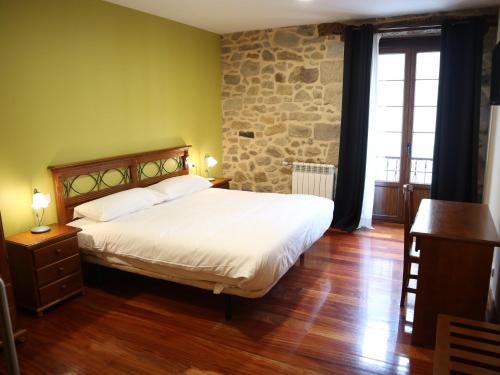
(63,287)
(60,269)
(58,251)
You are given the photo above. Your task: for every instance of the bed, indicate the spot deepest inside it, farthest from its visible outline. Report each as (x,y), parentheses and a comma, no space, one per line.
(228,241)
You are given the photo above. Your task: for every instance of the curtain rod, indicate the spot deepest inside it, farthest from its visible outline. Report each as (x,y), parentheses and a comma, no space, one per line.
(384,29)
(431,22)
(423,23)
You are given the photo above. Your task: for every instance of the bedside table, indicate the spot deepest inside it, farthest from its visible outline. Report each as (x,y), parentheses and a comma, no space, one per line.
(221,183)
(46,267)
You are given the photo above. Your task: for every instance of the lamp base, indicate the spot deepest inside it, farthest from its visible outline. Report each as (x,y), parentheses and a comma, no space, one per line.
(40,229)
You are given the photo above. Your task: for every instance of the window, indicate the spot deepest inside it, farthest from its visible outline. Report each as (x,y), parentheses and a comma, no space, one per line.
(408,80)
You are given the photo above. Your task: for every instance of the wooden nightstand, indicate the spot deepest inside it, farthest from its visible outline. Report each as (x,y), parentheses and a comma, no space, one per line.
(46,267)
(221,183)
(19,334)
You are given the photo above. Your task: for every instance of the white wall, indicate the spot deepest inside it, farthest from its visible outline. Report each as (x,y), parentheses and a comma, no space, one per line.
(492,187)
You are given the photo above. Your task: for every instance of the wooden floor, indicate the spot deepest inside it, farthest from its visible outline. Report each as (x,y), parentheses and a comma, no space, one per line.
(338,313)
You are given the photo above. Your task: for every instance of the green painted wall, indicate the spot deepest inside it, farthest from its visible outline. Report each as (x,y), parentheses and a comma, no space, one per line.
(83,79)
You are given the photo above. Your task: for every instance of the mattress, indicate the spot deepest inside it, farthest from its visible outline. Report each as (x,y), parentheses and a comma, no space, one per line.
(227,240)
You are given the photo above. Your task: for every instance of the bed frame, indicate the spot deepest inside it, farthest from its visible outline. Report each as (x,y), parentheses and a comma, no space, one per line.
(110,175)
(106,176)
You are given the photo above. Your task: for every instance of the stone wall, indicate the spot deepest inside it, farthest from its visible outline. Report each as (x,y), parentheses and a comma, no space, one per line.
(281,101)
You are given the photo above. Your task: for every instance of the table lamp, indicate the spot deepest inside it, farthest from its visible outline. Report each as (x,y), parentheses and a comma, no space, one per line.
(210,161)
(40,202)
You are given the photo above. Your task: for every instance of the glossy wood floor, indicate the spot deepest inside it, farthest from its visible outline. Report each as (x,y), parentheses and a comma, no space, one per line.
(338,313)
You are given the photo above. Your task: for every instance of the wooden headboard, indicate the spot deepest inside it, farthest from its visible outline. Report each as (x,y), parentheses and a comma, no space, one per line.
(77,183)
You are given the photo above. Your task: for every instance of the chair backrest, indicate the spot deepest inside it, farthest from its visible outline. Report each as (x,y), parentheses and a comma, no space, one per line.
(407,212)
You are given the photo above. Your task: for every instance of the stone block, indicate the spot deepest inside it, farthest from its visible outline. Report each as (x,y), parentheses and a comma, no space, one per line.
(302,96)
(239,177)
(279,77)
(250,68)
(253,91)
(330,71)
(289,56)
(240,125)
(299,131)
(250,47)
(275,129)
(286,39)
(260,177)
(268,55)
(231,79)
(333,95)
(289,107)
(312,151)
(332,154)
(268,69)
(274,151)
(232,104)
(303,117)
(334,49)
(262,160)
(326,132)
(304,75)
(284,90)
(307,30)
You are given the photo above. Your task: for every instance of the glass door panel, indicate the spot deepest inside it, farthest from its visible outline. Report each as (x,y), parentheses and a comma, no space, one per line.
(424,117)
(389,125)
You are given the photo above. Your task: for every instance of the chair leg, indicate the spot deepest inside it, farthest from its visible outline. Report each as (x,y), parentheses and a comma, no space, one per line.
(406,279)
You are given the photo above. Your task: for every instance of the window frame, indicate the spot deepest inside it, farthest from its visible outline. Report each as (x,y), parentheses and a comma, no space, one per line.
(409,46)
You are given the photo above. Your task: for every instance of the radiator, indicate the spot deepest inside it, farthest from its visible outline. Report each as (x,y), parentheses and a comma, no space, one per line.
(314,179)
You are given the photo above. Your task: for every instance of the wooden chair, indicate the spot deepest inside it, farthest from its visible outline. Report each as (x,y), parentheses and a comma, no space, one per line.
(411,253)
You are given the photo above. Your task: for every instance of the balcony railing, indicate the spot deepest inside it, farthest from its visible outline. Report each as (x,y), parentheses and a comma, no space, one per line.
(389,169)
(421,171)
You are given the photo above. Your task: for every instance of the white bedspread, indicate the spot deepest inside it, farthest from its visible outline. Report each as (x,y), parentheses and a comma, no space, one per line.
(232,238)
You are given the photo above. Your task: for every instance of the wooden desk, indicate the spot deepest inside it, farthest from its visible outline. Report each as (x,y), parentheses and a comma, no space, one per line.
(456,248)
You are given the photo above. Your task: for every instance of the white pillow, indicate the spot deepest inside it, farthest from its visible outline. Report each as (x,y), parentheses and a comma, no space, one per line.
(176,187)
(115,205)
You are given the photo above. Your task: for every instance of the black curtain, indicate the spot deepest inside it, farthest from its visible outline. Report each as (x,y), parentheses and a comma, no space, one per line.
(354,127)
(455,165)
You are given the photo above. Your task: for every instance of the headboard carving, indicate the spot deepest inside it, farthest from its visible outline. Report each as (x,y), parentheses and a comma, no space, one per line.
(77,183)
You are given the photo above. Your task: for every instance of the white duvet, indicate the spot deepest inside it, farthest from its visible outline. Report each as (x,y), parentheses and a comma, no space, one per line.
(229,237)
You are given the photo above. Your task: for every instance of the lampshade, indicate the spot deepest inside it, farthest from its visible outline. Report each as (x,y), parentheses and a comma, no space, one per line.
(210,161)
(40,200)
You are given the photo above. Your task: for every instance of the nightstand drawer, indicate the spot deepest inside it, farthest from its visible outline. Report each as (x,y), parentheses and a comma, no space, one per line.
(55,252)
(57,270)
(60,289)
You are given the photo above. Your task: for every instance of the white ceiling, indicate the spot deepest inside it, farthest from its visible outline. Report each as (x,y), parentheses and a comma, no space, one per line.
(225,16)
